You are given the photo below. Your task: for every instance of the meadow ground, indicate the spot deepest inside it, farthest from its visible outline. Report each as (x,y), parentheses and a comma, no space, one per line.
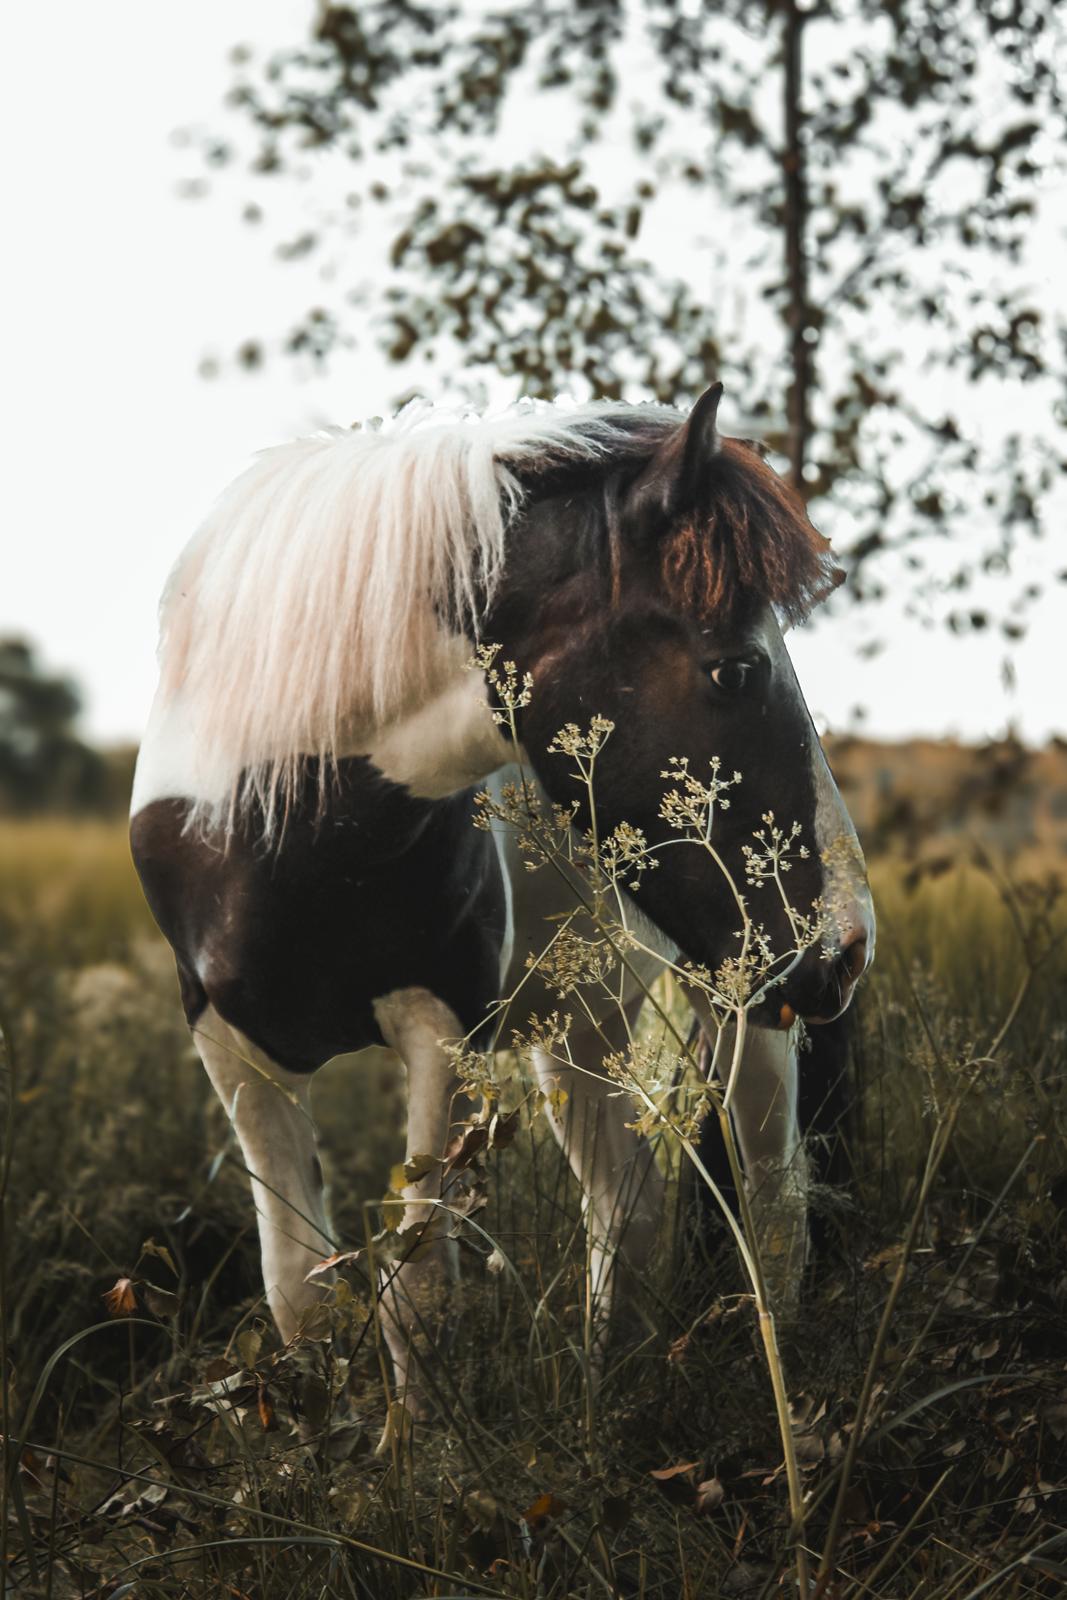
(162,1451)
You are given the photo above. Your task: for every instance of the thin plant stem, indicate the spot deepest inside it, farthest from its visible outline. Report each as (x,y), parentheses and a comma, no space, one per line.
(938,1150)
(871,1578)
(745,1235)
(920,1338)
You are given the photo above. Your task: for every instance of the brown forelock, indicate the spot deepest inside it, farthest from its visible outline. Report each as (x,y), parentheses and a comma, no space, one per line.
(751,538)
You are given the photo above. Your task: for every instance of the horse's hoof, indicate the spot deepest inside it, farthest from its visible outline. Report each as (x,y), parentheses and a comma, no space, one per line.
(400,1421)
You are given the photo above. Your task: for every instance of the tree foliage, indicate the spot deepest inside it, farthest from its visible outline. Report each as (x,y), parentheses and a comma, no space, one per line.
(831,207)
(43,764)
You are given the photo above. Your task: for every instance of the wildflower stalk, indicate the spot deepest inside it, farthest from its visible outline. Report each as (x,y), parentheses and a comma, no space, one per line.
(600,863)
(753,1260)
(747,1241)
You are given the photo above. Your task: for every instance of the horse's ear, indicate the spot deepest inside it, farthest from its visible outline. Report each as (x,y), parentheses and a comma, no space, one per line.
(671,481)
(701,443)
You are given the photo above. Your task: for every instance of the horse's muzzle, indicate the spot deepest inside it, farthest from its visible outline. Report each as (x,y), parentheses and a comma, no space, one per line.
(846,969)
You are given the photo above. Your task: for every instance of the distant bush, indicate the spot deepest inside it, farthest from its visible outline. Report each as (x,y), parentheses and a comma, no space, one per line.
(44,765)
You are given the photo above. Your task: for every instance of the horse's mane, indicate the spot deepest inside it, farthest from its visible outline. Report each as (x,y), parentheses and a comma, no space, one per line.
(309,606)
(324,592)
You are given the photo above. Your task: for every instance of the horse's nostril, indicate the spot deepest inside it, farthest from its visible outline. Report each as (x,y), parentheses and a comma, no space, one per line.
(853,957)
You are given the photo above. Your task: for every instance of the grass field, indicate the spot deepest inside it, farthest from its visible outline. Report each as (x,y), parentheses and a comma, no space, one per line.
(163,1452)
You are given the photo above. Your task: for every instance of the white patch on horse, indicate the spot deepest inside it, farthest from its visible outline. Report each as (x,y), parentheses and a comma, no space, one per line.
(846,892)
(765,1118)
(173,763)
(623,1188)
(446,744)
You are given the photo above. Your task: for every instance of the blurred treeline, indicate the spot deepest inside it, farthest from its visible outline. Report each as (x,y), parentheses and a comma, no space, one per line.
(45,766)
(930,804)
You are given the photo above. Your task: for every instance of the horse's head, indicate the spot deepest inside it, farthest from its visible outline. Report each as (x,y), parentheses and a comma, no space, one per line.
(652,597)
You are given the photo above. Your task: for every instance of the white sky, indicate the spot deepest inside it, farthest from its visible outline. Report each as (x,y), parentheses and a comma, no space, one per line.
(114,289)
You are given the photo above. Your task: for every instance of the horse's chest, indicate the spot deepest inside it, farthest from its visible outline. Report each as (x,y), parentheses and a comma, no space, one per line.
(293,945)
(383,891)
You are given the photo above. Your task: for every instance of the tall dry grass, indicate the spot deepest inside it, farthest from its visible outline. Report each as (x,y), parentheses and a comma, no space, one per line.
(163,1453)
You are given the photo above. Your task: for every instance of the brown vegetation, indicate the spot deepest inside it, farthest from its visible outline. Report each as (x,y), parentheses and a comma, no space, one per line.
(168,1446)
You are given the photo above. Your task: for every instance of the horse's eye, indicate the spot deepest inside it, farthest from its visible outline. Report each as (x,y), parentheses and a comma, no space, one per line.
(730,676)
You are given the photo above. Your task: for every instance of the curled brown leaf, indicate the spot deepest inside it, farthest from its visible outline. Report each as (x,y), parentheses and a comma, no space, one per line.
(120,1299)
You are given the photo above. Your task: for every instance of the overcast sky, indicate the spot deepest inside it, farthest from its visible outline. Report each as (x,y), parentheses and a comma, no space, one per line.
(116,288)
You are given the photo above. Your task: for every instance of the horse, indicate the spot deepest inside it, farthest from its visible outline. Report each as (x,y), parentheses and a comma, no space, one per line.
(301,816)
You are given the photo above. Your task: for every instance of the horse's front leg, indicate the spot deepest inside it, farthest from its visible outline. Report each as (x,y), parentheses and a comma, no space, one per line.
(621,1184)
(414,1292)
(270,1110)
(767,1127)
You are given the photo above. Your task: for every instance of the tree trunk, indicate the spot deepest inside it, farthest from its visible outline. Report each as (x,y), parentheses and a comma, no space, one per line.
(795,227)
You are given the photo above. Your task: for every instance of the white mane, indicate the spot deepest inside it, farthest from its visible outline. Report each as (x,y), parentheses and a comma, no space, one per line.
(314,603)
